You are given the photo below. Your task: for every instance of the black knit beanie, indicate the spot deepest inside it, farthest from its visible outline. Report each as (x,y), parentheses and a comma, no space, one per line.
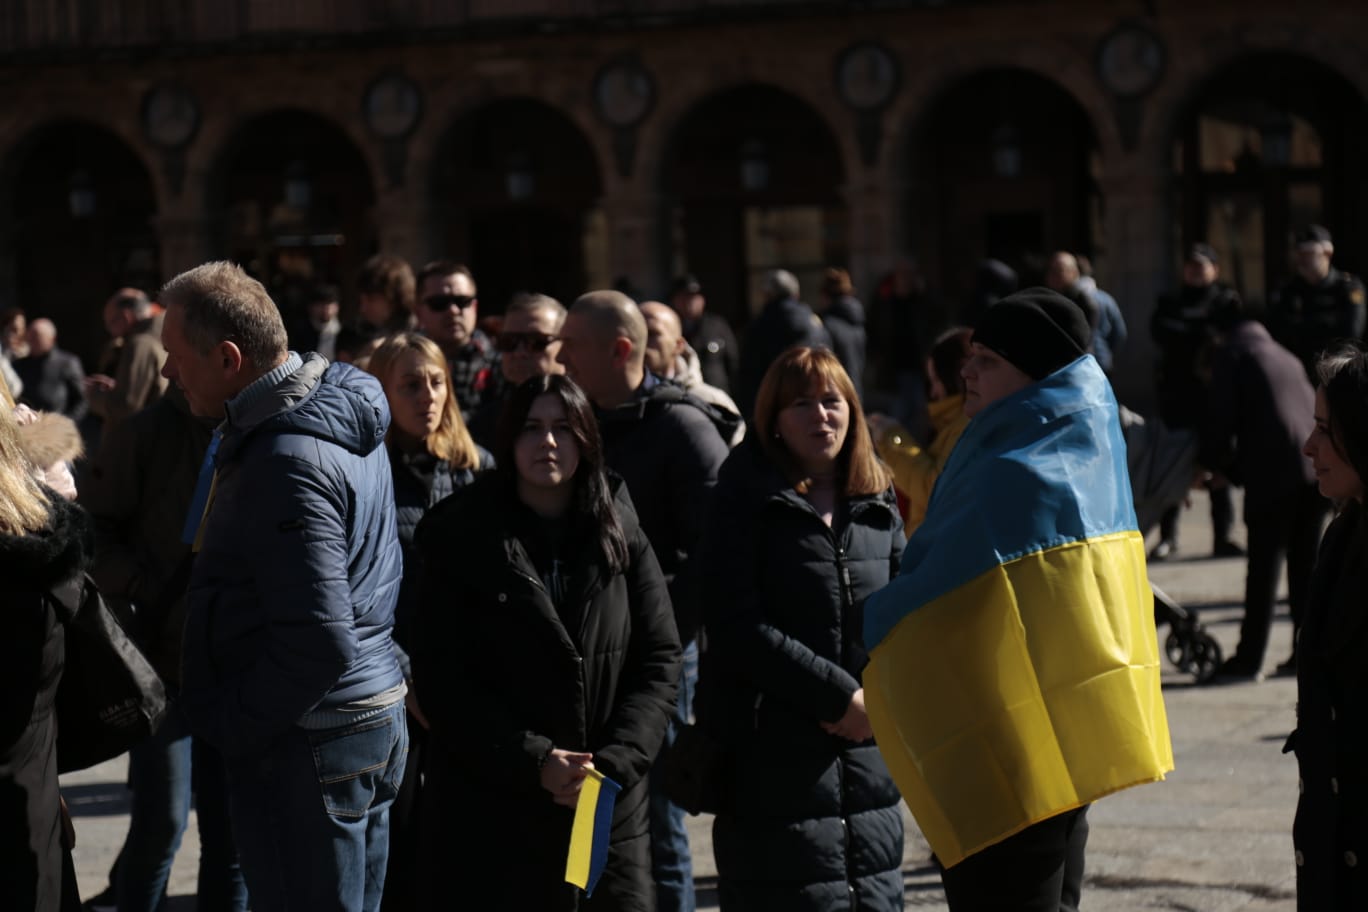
(1036,329)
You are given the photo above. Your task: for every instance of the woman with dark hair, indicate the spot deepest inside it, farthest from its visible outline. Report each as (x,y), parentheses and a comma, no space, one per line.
(386,286)
(1331,740)
(915,468)
(804,528)
(546,646)
(432,455)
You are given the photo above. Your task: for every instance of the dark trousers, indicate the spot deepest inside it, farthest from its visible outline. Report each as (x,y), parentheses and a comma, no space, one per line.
(1039,869)
(1287,529)
(401,875)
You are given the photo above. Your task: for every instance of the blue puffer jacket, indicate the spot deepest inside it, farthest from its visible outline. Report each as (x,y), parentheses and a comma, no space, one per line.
(292,595)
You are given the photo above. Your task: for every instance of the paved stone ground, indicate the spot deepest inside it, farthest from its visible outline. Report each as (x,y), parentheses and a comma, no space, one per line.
(1215,836)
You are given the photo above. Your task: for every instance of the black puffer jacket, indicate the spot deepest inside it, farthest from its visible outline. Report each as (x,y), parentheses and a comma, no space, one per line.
(668,446)
(813,819)
(420,483)
(32,654)
(503,679)
(1331,741)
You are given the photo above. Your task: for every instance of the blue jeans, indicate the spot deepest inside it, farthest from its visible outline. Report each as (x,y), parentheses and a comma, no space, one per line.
(160,774)
(311,814)
(671,863)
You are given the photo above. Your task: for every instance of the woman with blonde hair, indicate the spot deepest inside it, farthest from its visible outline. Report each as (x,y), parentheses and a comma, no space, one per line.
(432,455)
(804,528)
(44,544)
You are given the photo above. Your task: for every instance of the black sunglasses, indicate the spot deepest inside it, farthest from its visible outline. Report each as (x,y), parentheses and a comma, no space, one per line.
(441,302)
(532,341)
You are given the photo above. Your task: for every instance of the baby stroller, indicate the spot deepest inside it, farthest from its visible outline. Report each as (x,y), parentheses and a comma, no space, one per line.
(1161,462)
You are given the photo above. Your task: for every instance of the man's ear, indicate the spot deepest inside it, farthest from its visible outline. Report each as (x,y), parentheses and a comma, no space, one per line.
(621,351)
(231,358)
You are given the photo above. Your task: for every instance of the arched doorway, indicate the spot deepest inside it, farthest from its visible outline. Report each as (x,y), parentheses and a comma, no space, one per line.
(1269,144)
(753,182)
(517,187)
(83,224)
(294,205)
(1002,167)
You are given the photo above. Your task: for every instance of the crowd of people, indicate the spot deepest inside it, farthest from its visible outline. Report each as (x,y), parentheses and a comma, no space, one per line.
(410,580)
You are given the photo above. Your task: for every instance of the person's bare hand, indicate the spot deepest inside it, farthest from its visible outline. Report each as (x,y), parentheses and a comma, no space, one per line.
(411,704)
(854,725)
(563,775)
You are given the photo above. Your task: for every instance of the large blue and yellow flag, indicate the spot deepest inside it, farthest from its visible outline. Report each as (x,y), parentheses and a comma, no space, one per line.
(1014,663)
(589,834)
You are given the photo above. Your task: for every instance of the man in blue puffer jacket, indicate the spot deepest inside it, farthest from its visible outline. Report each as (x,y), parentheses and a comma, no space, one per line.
(288,665)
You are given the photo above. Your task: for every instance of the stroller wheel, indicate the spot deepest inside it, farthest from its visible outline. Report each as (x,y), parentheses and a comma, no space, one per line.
(1205,657)
(1178,646)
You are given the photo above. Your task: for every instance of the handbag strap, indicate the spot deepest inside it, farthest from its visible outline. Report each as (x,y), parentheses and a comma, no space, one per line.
(71,593)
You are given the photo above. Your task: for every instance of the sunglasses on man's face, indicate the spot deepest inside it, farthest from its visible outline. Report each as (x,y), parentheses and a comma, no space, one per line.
(532,341)
(441,302)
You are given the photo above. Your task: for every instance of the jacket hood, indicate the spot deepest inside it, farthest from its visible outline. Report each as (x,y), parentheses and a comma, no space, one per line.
(688,368)
(848,309)
(333,402)
(50,556)
(662,394)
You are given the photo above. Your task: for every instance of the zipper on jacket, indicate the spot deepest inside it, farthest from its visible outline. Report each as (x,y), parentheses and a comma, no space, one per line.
(845,830)
(847,598)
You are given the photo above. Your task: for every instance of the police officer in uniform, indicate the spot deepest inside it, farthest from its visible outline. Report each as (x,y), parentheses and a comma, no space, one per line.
(1320,305)
(1183,330)
(711,336)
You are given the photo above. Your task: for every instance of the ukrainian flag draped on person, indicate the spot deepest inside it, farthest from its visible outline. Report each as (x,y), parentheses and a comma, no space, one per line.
(1014,663)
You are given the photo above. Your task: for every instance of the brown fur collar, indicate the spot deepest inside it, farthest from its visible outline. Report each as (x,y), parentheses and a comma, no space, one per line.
(52,438)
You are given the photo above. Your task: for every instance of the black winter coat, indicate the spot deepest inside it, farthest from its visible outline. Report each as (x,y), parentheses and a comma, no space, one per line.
(668,447)
(32,653)
(1331,741)
(781,325)
(813,821)
(845,322)
(503,679)
(420,483)
(1260,410)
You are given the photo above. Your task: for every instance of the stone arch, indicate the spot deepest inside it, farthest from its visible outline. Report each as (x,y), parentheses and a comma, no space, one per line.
(516,184)
(291,197)
(753,178)
(1257,145)
(82,208)
(998,163)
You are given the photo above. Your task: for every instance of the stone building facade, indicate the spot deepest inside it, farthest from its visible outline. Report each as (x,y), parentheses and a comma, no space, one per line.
(563,144)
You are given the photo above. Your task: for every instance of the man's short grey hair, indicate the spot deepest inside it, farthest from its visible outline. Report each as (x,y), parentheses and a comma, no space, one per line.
(531,302)
(780,284)
(222,303)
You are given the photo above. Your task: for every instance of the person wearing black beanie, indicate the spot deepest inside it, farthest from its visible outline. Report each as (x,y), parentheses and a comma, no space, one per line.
(1021,340)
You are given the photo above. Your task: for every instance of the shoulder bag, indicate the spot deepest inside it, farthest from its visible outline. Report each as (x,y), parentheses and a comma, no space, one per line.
(110,697)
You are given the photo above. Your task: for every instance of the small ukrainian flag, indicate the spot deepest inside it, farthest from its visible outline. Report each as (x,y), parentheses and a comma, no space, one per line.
(592,828)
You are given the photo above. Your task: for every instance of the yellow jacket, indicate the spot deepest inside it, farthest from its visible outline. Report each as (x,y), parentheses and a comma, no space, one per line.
(915,469)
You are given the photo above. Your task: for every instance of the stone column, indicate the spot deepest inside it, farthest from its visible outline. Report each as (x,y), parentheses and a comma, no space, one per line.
(1137,268)
(635,236)
(185,233)
(404,225)
(871,213)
